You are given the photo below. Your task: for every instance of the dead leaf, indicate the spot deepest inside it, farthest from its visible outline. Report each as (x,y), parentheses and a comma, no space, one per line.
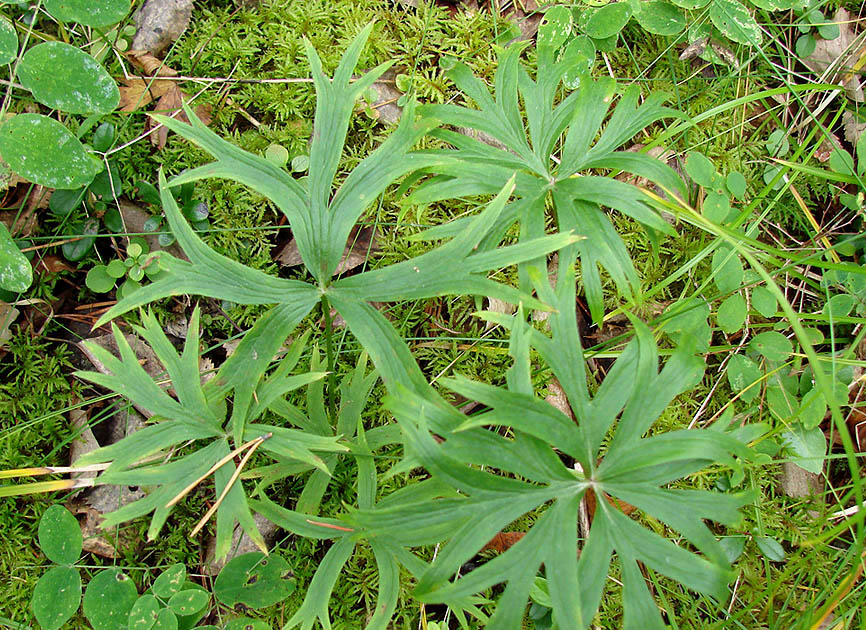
(835,59)
(152,66)
(503,541)
(822,153)
(8,315)
(558,399)
(496,305)
(853,128)
(137,93)
(159,23)
(362,242)
(527,17)
(169,104)
(52,264)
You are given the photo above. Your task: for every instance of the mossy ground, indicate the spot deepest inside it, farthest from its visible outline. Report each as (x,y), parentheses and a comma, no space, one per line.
(265,42)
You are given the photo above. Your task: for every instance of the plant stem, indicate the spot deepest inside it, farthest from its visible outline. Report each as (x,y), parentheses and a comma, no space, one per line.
(329,350)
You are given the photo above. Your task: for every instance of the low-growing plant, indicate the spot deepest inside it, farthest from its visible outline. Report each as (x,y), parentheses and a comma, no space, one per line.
(518,458)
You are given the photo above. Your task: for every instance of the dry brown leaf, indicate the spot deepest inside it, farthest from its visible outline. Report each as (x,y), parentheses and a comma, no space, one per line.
(835,59)
(137,93)
(558,399)
(853,128)
(8,315)
(169,104)
(52,264)
(152,66)
(159,23)
(362,242)
(503,541)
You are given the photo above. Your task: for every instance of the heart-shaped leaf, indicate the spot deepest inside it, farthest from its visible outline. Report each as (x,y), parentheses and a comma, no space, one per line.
(108,600)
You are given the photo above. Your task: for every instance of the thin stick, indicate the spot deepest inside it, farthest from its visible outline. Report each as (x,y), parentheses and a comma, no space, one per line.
(204,519)
(213,469)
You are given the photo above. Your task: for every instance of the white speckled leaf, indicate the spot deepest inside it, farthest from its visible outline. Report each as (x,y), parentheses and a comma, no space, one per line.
(8,41)
(15,272)
(65,78)
(660,18)
(88,12)
(45,152)
(735,22)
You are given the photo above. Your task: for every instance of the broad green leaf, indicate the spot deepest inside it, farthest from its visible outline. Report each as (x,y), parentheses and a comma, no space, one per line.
(770,547)
(254,580)
(744,373)
(777,143)
(764,301)
(727,269)
(773,345)
(605,21)
(700,169)
(735,22)
(16,274)
(56,597)
(170,581)
(736,184)
(45,152)
(98,279)
(660,18)
(8,41)
(733,547)
(691,4)
(60,535)
(144,613)
(102,13)
(813,408)
(166,620)
(806,447)
(839,305)
(555,27)
(63,77)
(732,314)
(717,207)
(108,599)
(188,602)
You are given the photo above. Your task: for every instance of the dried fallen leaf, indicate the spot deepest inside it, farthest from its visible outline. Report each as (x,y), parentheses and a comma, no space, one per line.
(362,242)
(8,315)
(169,104)
(835,59)
(159,23)
(137,93)
(503,541)
(853,127)
(152,66)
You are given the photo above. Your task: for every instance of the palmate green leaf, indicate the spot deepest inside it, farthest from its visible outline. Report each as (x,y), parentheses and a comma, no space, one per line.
(542,174)
(634,468)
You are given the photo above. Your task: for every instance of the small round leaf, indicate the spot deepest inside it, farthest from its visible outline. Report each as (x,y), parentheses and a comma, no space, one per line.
(16,274)
(56,597)
(716,207)
(773,345)
(165,620)
(60,535)
(108,600)
(744,373)
(170,581)
(732,314)
(554,28)
(727,269)
(736,184)
(254,580)
(277,155)
(764,301)
(45,152)
(700,169)
(732,546)
(735,22)
(88,12)
(103,137)
(771,549)
(8,41)
(606,21)
(660,18)
(839,305)
(144,613)
(300,163)
(63,77)
(86,235)
(188,602)
(63,202)
(99,280)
